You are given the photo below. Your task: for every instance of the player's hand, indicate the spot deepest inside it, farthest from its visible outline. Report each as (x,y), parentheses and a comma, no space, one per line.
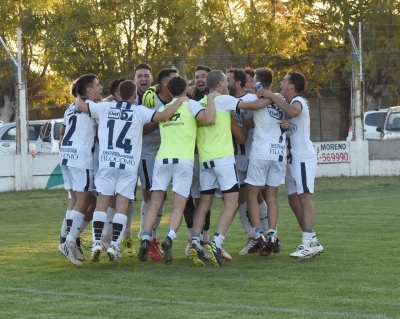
(213,95)
(263,93)
(284,124)
(191,91)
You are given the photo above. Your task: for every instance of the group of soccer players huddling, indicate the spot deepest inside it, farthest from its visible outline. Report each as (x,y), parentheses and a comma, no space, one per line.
(227,136)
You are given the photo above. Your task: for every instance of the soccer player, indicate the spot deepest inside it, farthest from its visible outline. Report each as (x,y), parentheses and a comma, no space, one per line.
(143,79)
(266,168)
(217,166)
(237,80)
(151,144)
(302,160)
(120,140)
(76,159)
(174,163)
(249,87)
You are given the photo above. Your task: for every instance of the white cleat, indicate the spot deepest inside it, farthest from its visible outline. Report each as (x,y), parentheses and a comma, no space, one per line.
(96,251)
(303,252)
(114,253)
(66,252)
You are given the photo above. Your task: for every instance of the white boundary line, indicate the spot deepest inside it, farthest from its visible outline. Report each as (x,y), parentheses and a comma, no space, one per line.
(195,303)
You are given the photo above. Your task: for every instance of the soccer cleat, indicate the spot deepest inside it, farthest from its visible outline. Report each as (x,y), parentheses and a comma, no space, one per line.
(79,251)
(246,248)
(277,247)
(187,250)
(114,253)
(166,246)
(256,244)
(144,250)
(197,255)
(269,245)
(155,251)
(203,247)
(317,247)
(225,255)
(96,251)
(66,252)
(127,244)
(215,253)
(303,251)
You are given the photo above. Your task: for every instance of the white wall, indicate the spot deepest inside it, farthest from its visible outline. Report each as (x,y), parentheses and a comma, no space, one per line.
(42,171)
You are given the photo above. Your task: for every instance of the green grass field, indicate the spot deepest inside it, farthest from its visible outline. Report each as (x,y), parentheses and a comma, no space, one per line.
(358,275)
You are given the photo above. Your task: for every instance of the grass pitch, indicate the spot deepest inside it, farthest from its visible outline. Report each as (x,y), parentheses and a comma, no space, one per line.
(358,276)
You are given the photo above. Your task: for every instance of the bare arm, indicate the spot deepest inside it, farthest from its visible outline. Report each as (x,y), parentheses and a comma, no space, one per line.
(238,133)
(169,111)
(81,106)
(291,110)
(255,105)
(208,115)
(149,127)
(62,132)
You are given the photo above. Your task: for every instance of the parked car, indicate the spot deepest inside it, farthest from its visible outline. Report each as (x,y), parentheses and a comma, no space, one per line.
(49,137)
(389,129)
(8,135)
(372,119)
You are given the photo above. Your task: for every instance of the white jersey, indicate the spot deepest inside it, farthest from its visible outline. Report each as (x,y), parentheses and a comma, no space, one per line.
(269,139)
(77,145)
(300,147)
(152,141)
(120,133)
(244,149)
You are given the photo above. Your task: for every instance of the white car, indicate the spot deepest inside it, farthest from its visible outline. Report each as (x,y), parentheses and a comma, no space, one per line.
(49,137)
(372,119)
(390,128)
(8,136)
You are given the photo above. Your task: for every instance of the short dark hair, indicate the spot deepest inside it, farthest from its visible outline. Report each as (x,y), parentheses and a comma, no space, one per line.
(114,85)
(298,80)
(203,68)
(83,82)
(143,66)
(177,85)
(73,88)
(213,78)
(265,76)
(249,70)
(165,73)
(238,75)
(127,89)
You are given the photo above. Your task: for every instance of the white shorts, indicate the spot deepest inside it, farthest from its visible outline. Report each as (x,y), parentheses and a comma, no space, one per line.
(300,177)
(179,174)
(265,172)
(242,163)
(111,181)
(77,179)
(146,168)
(218,173)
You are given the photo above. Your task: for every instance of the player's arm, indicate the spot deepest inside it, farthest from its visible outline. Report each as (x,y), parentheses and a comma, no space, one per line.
(254,105)
(238,133)
(81,105)
(169,111)
(149,127)
(291,110)
(207,116)
(62,132)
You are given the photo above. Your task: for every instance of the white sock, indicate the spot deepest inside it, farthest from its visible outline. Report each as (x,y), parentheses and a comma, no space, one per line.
(99,219)
(306,237)
(219,239)
(171,234)
(244,218)
(77,219)
(119,224)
